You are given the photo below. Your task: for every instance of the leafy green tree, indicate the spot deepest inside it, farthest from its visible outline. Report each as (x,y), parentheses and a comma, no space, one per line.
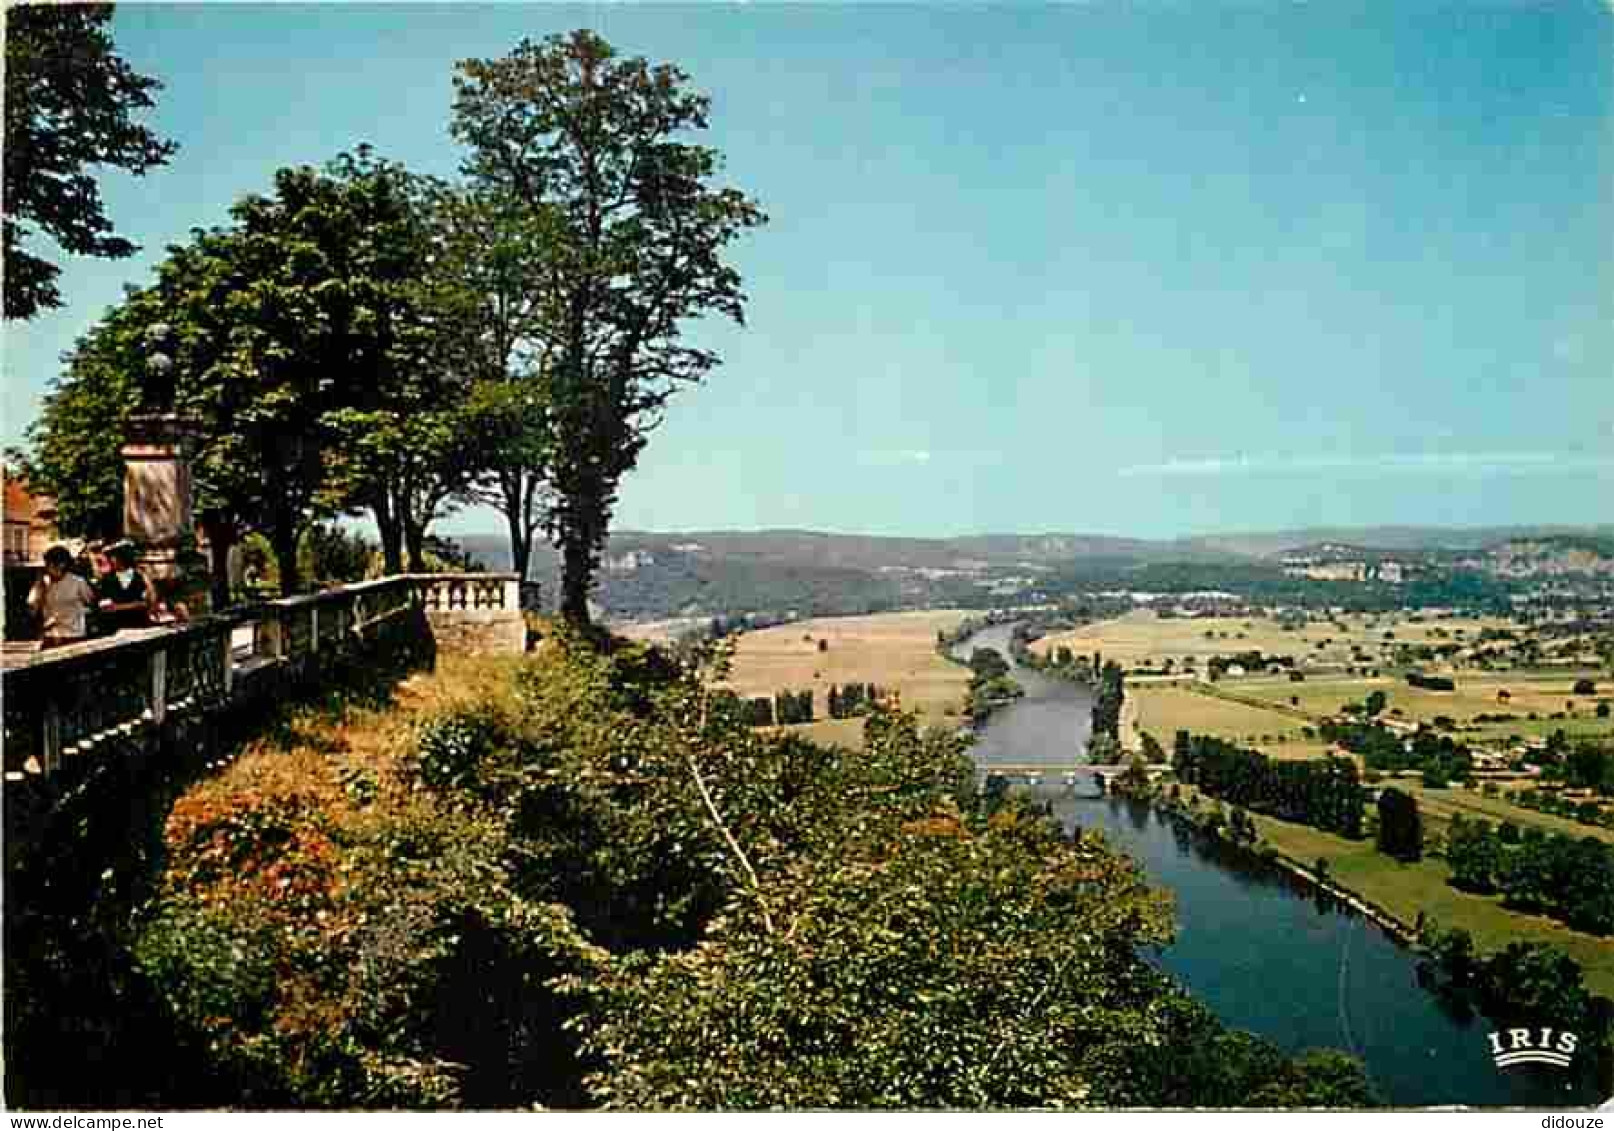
(290,328)
(1474,854)
(588,144)
(492,322)
(70,105)
(1153,752)
(74,443)
(1400,826)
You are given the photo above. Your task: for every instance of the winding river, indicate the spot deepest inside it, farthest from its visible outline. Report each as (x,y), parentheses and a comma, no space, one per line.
(1253,944)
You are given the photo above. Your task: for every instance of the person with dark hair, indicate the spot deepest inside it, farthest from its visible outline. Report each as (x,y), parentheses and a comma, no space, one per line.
(127,597)
(62,600)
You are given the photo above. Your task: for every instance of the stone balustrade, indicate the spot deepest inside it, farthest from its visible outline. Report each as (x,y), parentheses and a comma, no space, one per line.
(125,693)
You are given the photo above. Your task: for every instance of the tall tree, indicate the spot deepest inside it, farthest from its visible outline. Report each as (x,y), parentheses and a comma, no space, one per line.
(589,144)
(70,101)
(412,448)
(1400,826)
(491,325)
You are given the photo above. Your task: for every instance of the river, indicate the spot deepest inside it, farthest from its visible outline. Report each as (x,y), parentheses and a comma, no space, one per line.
(1256,947)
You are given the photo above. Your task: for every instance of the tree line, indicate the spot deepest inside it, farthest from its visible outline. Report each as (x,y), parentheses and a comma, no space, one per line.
(854,699)
(359,338)
(1324,793)
(1442,758)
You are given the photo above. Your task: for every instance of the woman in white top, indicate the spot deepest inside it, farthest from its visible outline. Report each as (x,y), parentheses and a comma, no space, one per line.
(62,599)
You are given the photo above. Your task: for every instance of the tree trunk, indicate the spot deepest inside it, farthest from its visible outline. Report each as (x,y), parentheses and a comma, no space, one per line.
(415,542)
(283,540)
(219,544)
(520,543)
(576,578)
(389,528)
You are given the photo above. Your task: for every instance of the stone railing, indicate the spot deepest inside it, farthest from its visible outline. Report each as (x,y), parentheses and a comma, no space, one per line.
(126,692)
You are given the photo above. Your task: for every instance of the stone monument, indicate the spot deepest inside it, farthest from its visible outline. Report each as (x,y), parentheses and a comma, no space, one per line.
(157,513)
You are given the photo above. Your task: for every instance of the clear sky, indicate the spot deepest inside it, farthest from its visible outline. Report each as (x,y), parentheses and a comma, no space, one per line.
(1131,268)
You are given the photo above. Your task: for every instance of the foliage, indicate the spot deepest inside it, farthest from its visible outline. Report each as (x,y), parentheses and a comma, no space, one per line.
(606,888)
(1400,826)
(1107,703)
(1525,983)
(1325,793)
(486,248)
(790,707)
(335,940)
(291,331)
(1572,880)
(74,442)
(853,700)
(71,103)
(586,144)
(334,554)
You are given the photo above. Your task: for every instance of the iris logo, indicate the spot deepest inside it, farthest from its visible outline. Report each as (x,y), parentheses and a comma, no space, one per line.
(1533,1046)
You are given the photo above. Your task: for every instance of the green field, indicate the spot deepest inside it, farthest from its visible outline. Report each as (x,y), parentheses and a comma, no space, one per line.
(1163,710)
(1406,889)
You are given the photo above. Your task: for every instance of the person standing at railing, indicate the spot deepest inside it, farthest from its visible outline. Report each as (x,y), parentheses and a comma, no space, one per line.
(127,597)
(62,599)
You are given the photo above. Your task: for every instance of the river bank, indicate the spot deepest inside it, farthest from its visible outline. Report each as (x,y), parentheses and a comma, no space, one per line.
(1306,874)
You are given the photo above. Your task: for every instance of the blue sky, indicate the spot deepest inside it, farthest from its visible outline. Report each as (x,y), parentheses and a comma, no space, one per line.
(1133,268)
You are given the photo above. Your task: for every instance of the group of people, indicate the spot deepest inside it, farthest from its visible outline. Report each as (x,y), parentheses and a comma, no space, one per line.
(98,594)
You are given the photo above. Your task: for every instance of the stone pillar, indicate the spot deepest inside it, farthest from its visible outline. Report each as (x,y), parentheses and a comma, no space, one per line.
(157,495)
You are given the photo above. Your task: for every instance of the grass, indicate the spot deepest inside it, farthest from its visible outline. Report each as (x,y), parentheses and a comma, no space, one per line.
(1406,889)
(896,651)
(1163,710)
(1143,638)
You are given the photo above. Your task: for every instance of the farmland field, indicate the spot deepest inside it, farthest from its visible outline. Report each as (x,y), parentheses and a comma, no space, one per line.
(1163,710)
(1438,806)
(1143,638)
(1543,694)
(894,650)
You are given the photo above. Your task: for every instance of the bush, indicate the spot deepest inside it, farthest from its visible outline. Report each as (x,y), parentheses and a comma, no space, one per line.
(450,748)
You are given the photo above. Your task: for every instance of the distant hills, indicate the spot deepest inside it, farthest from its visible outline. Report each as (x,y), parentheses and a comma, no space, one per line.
(649,575)
(1405,539)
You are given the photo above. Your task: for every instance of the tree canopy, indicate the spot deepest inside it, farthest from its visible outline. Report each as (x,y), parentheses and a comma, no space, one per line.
(588,144)
(70,106)
(296,332)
